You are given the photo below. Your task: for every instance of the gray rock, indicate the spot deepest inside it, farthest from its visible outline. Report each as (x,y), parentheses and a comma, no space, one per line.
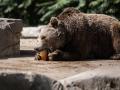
(106,78)
(27,81)
(10,36)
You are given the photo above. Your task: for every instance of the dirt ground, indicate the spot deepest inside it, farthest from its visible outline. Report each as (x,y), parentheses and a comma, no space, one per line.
(54,69)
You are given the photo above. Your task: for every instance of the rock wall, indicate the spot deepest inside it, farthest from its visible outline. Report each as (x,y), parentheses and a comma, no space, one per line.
(11,80)
(10,36)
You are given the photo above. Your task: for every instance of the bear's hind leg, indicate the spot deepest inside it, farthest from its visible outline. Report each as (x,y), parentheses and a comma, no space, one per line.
(56,55)
(116,39)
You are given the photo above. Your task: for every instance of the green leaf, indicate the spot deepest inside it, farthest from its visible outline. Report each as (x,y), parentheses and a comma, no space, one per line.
(9,9)
(81,4)
(27,3)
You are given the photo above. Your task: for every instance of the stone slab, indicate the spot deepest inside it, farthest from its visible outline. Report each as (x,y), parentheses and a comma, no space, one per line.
(54,69)
(10,36)
(31,32)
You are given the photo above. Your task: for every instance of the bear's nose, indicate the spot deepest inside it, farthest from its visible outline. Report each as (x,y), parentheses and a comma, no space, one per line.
(42,37)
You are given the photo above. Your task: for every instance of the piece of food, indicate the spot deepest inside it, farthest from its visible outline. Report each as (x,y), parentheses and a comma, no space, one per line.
(43,55)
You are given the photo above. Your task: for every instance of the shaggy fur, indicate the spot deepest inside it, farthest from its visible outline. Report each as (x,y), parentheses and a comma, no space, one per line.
(76,35)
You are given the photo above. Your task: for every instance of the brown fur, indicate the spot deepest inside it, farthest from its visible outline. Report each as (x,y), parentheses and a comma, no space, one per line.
(82,36)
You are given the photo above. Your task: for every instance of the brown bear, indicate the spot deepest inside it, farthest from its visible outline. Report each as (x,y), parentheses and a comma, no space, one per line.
(74,35)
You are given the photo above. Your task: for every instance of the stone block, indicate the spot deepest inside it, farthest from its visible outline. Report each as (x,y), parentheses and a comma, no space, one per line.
(10,31)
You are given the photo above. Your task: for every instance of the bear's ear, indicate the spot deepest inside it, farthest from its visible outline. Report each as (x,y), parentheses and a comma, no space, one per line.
(54,22)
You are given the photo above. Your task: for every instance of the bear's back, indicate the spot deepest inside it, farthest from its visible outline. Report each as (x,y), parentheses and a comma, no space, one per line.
(101,21)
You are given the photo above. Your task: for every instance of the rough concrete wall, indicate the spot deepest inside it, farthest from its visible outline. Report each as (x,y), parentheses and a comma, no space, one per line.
(95,83)
(106,78)
(10,36)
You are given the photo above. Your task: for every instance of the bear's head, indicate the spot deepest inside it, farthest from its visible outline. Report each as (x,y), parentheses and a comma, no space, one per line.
(52,36)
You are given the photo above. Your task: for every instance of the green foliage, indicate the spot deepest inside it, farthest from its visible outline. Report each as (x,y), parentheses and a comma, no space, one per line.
(34,12)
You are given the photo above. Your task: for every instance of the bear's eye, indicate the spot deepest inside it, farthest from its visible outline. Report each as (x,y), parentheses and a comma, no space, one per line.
(42,37)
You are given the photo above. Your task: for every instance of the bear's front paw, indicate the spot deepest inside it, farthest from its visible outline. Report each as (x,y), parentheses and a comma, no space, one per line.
(56,55)
(52,56)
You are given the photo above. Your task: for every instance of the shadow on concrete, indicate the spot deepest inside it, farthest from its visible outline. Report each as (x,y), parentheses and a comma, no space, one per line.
(86,59)
(23,53)
(27,53)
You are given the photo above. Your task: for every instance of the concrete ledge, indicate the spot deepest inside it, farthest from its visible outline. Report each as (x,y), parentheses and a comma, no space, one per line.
(105,78)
